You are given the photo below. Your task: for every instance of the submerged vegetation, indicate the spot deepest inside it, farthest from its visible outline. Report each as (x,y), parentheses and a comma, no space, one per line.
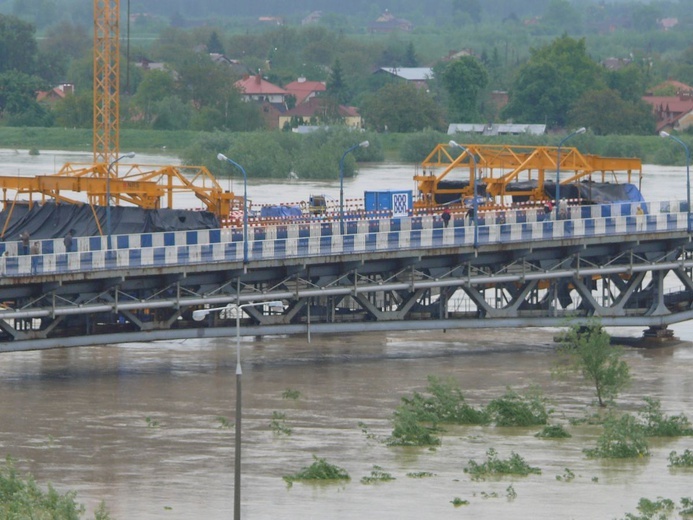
(21,497)
(494,466)
(513,409)
(319,470)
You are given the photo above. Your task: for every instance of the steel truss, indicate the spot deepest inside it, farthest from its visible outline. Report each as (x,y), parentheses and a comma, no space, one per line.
(643,283)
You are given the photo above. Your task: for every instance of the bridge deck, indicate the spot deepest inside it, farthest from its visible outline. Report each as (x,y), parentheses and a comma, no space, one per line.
(515,269)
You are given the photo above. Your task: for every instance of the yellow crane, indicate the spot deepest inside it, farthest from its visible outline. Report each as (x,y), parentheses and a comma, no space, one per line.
(149,187)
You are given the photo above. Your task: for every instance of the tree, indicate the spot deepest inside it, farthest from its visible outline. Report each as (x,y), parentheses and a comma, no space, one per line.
(471,8)
(401,107)
(410,59)
(464,79)
(604,113)
(17,45)
(214,44)
(18,92)
(155,86)
(336,86)
(588,350)
(554,78)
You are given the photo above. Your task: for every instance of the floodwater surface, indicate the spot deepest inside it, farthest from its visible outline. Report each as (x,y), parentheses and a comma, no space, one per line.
(148,427)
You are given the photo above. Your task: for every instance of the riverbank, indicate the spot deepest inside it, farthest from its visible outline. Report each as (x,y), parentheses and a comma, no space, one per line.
(396,147)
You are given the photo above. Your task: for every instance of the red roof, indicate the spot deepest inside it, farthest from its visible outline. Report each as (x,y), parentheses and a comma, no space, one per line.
(318,106)
(257,86)
(302,88)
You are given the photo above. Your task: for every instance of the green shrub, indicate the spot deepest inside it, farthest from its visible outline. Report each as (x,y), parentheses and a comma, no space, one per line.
(622,438)
(656,424)
(515,465)
(278,424)
(659,509)
(21,497)
(377,475)
(445,405)
(685,460)
(319,470)
(553,431)
(291,394)
(514,409)
(409,431)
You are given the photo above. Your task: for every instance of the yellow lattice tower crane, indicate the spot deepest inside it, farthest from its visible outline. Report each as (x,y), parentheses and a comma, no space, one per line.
(106,80)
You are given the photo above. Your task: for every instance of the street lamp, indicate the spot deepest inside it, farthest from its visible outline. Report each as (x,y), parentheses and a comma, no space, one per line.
(222,157)
(558,160)
(363,144)
(688,176)
(128,155)
(475,203)
(198,315)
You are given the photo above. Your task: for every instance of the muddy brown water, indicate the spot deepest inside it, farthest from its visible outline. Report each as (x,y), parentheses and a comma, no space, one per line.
(137,425)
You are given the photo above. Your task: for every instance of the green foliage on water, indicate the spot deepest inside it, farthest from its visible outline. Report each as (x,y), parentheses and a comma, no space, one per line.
(278,424)
(291,394)
(494,466)
(409,431)
(586,349)
(151,423)
(656,424)
(553,431)
(445,404)
(377,475)
(279,155)
(685,460)
(513,409)
(223,422)
(22,498)
(659,509)
(420,474)
(319,470)
(622,437)
(457,502)
(567,476)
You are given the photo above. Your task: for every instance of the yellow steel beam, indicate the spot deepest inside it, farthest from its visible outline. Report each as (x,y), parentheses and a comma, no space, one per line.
(501,165)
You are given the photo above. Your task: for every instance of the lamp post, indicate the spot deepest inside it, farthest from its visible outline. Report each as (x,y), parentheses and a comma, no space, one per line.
(199,315)
(363,144)
(558,160)
(475,203)
(128,155)
(222,157)
(688,176)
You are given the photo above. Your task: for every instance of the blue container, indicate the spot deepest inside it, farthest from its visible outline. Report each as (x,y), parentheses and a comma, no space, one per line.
(398,202)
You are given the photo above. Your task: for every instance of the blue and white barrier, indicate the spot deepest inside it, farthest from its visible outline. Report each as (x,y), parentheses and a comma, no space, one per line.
(324,238)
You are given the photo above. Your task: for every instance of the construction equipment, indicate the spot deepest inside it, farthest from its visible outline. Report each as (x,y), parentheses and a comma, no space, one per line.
(147,187)
(528,172)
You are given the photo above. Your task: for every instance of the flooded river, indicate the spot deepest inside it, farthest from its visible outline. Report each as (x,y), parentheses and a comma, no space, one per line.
(148,427)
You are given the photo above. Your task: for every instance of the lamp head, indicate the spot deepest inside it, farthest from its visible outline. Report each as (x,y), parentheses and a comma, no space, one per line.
(453,144)
(199,314)
(663,134)
(581,130)
(129,155)
(222,157)
(364,144)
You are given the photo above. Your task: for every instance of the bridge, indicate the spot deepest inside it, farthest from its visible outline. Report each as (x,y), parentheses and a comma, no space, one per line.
(507,268)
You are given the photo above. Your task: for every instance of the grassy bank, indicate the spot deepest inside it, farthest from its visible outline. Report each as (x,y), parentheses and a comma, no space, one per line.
(396,147)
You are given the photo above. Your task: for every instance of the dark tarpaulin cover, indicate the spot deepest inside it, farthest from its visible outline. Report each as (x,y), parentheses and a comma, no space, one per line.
(588,192)
(51,220)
